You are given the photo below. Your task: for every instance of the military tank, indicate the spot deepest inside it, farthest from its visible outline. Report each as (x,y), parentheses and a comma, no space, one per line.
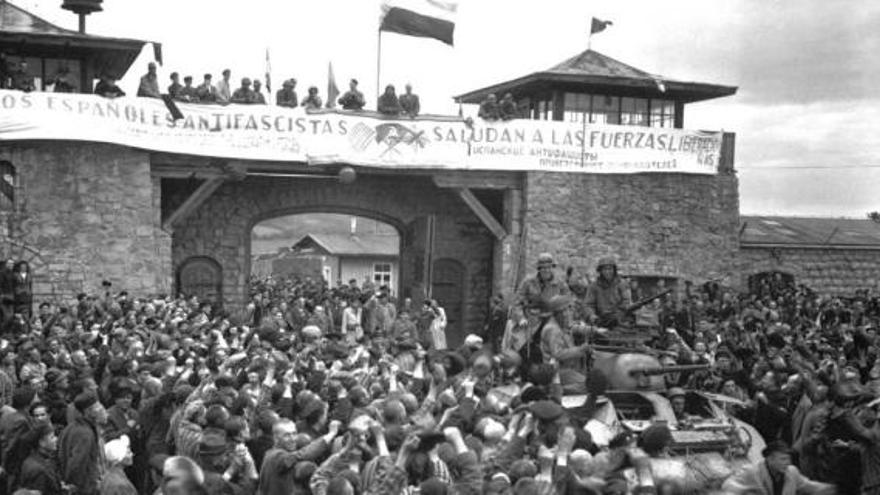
(708,444)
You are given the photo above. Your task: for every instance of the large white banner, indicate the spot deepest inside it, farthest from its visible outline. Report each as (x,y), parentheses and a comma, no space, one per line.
(251,132)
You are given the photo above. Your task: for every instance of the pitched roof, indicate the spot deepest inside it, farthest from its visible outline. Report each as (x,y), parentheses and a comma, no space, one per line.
(760,231)
(16,19)
(593,70)
(594,63)
(352,245)
(30,33)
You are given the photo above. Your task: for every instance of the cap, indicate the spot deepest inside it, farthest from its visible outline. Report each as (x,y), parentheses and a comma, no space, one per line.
(85,400)
(546,410)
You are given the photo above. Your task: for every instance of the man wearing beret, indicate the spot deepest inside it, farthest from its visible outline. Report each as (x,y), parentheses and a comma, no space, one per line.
(81,449)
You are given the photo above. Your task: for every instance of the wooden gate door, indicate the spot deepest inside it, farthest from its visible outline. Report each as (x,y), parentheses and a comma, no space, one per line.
(203,277)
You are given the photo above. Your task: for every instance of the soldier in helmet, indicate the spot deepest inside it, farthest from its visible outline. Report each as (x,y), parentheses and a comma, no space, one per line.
(536,291)
(607,297)
(557,344)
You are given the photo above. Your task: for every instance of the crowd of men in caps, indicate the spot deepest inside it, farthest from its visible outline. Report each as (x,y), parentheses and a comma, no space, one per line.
(250,92)
(349,390)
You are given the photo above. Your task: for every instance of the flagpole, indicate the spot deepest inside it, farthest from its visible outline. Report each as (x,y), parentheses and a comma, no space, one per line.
(378,64)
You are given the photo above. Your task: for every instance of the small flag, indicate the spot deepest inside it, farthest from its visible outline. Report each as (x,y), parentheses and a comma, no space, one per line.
(268,73)
(332,88)
(423,18)
(598,25)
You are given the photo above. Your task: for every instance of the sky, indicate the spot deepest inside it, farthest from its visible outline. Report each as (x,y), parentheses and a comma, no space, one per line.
(805,114)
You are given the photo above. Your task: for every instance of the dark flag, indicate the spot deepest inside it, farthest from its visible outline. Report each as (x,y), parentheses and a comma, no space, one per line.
(599,25)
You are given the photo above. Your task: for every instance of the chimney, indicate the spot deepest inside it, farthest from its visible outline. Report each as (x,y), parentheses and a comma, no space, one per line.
(354,225)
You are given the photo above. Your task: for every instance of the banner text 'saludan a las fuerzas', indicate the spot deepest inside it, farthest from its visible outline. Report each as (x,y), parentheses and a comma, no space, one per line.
(286,134)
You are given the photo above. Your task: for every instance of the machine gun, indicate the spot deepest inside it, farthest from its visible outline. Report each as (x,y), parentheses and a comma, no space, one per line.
(644,302)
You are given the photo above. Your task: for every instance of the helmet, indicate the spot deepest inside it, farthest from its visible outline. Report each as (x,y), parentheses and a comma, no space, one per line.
(546,259)
(556,303)
(675,392)
(606,261)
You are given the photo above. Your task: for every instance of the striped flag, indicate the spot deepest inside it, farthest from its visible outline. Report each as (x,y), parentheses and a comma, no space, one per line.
(423,18)
(332,88)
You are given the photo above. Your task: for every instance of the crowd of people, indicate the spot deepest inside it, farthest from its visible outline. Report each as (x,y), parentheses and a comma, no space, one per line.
(18,77)
(250,92)
(349,390)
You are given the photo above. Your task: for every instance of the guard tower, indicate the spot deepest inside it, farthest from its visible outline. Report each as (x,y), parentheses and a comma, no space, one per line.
(48,49)
(595,88)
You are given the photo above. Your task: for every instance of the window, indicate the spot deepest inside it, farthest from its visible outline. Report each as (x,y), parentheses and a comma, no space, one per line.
(634,111)
(605,110)
(382,274)
(577,107)
(327,274)
(662,113)
(45,71)
(7,186)
(543,110)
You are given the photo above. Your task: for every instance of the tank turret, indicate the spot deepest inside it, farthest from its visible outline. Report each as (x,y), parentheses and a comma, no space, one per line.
(636,371)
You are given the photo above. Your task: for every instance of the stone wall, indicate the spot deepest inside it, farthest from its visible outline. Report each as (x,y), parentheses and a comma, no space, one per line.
(832,271)
(221,228)
(84,213)
(674,225)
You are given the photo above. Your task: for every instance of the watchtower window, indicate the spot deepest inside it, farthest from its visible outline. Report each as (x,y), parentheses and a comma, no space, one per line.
(605,110)
(634,111)
(662,113)
(577,107)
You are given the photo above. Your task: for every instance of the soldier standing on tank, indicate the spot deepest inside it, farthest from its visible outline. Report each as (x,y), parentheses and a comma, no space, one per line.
(607,297)
(536,291)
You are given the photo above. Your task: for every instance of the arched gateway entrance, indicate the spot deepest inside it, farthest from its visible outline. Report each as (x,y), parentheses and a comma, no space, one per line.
(434,222)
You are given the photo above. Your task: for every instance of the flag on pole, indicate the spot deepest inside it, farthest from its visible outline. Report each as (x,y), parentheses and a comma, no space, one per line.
(268,73)
(598,25)
(332,88)
(423,18)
